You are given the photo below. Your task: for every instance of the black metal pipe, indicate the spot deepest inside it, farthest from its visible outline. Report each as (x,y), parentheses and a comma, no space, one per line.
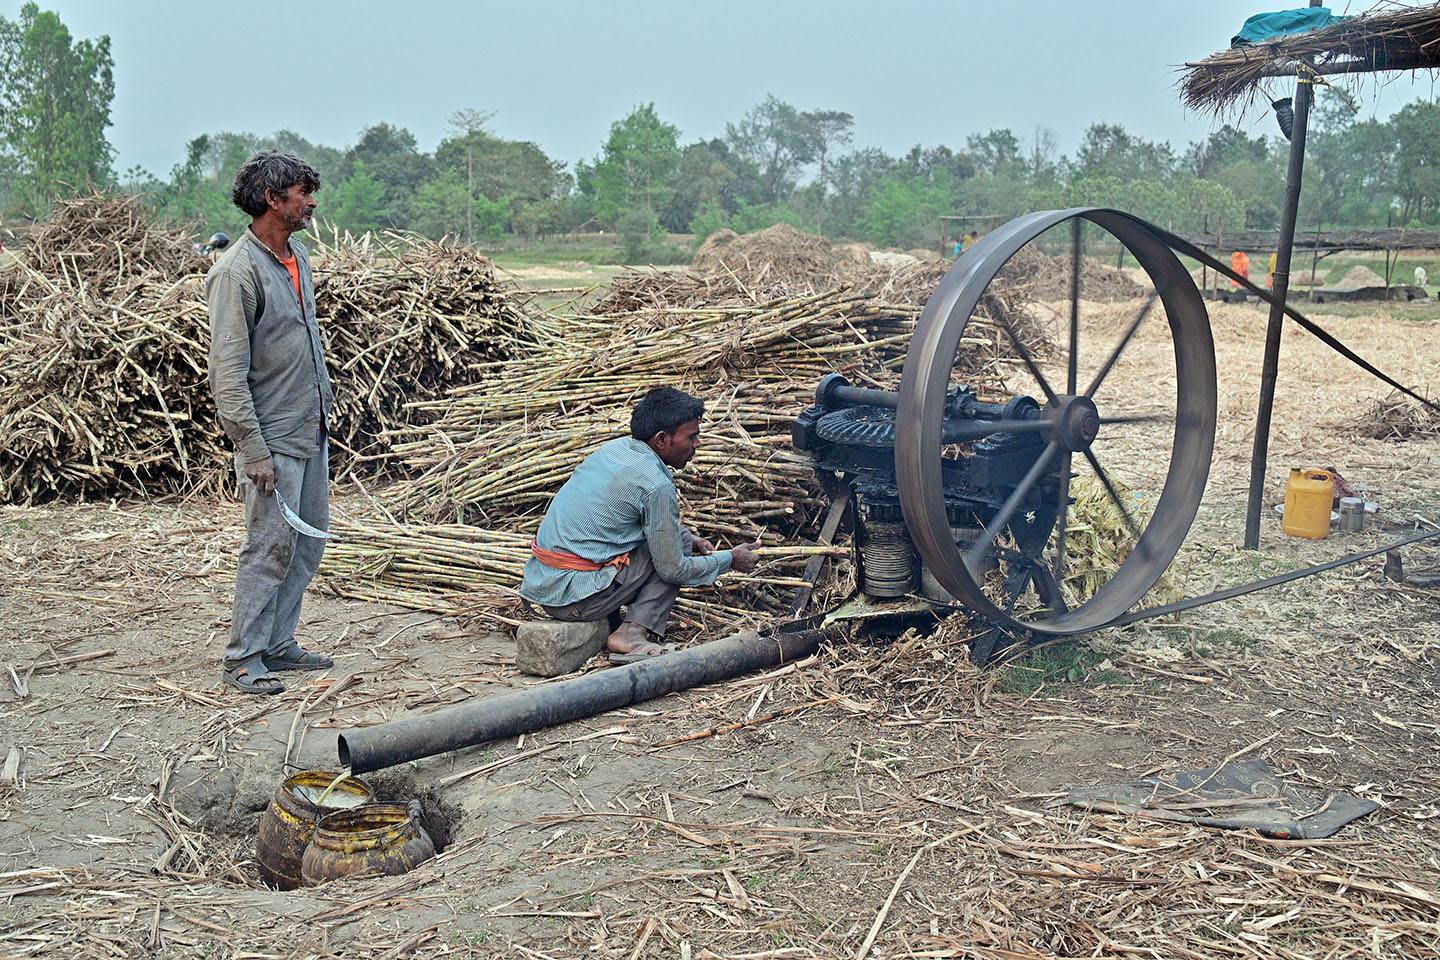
(384,745)
(835,391)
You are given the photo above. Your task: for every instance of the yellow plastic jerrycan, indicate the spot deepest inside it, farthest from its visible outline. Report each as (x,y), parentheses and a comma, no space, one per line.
(1308,497)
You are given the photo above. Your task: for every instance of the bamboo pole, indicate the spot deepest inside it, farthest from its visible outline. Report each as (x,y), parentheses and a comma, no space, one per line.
(1271,363)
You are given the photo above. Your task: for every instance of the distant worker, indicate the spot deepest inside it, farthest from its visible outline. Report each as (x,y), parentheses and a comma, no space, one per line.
(612,537)
(959,246)
(1270,277)
(272,394)
(1240,263)
(968,241)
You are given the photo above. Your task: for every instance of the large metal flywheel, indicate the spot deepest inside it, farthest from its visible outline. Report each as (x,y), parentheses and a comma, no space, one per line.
(1128,403)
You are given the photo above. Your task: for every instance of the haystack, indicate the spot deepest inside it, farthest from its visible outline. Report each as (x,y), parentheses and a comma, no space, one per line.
(778,254)
(1044,277)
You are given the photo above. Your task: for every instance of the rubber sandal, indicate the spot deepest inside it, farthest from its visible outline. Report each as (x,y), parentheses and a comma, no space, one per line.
(660,649)
(247,681)
(299,660)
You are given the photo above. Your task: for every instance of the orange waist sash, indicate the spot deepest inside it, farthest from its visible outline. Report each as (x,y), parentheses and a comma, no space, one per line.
(560,560)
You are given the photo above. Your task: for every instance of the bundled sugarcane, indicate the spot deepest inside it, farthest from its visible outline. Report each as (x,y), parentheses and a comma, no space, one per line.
(104,344)
(404,319)
(501,445)
(475,572)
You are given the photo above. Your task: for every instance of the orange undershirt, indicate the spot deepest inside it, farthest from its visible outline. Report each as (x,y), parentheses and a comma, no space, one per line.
(294,269)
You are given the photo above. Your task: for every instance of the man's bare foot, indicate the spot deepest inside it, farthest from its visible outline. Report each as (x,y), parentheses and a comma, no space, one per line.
(632,638)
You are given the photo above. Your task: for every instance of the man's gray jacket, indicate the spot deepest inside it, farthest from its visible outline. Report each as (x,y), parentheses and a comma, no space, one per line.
(267,364)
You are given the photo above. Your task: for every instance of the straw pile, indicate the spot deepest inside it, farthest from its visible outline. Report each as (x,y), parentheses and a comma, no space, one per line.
(104,351)
(1046,277)
(1397,417)
(482,473)
(780,253)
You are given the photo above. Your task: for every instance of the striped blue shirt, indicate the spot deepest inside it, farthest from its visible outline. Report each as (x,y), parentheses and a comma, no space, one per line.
(621,496)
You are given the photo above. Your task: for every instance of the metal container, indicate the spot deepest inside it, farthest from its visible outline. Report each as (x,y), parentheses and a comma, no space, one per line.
(1352,514)
(376,840)
(289,821)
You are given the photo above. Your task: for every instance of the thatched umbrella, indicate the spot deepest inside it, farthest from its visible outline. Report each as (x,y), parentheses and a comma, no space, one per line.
(1385,39)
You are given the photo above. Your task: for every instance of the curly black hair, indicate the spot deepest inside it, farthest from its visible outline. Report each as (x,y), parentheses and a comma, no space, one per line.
(270,170)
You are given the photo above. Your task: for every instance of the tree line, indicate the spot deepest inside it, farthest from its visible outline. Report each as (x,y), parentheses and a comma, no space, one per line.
(778,163)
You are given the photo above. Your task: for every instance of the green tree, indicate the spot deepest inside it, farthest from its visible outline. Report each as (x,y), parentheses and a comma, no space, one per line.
(904,211)
(195,196)
(499,176)
(54,106)
(356,204)
(996,153)
(391,156)
(636,169)
(830,129)
(1226,146)
(703,181)
(854,177)
(1417,131)
(779,140)
(442,208)
(1107,150)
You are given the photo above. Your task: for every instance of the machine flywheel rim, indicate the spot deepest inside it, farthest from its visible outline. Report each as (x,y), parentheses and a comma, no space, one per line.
(926,377)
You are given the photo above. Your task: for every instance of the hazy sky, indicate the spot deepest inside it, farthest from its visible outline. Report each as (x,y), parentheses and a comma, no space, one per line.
(560,72)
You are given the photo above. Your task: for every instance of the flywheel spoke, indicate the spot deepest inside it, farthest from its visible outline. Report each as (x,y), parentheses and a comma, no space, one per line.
(1064,515)
(1120,348)
(1028,358)
(977,551)
(1073,368)
(1115,497)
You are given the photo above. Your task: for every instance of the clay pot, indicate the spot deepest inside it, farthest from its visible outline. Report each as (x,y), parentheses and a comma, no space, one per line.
(376,840)
(289,821)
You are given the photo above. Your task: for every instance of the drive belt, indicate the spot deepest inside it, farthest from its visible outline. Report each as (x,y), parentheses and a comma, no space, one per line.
(1240,590)
(1329,339)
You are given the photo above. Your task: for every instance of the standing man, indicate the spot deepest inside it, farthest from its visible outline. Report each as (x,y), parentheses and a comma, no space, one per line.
(272,392)
(612,536)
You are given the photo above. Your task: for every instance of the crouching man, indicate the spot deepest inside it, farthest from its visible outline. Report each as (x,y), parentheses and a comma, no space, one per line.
(612,537)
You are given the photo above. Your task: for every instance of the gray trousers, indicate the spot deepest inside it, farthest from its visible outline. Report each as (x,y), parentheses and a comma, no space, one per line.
(276,563)
(637,587)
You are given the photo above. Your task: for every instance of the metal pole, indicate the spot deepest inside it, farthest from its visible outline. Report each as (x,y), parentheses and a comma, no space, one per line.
(1271,364)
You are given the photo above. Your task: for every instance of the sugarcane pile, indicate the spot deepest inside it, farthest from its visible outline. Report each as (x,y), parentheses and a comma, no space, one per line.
(105,343)
(102,360)
(404,319)
(480,474)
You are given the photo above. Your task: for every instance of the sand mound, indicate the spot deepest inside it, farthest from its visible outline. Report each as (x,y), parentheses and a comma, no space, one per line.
(1360,276)
(889,258)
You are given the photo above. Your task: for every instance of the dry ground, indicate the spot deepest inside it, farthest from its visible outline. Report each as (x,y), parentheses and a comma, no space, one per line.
(904,805)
